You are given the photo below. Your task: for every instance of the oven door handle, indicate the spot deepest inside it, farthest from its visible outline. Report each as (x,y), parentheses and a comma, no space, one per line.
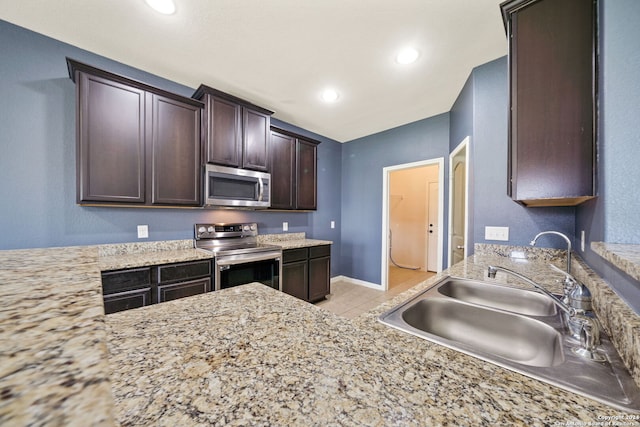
(243,259)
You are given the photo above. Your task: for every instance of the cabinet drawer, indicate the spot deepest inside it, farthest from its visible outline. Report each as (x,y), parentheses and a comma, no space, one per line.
(125,280)
(183,289)
(319,251)
(293,255)
(183,271)
(127,300)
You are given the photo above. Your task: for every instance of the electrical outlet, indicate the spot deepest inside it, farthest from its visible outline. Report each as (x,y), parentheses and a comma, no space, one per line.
(496,233)
(285,226)
(333,224)
(143,231)
(582,240)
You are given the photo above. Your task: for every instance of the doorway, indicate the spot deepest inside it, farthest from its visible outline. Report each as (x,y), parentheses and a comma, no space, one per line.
(458,202)
(412,234)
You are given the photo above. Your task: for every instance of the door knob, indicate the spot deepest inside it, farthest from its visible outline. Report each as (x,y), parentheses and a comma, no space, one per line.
(459,247)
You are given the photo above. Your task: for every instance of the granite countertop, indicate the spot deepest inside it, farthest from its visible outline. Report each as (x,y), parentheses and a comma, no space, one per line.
(291,240)
(250,355)
(53,354)
(133,255)
(280,361)
(625,257)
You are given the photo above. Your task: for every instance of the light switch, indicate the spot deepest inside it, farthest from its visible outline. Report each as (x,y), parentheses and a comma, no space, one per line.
(333,224)
(285,226)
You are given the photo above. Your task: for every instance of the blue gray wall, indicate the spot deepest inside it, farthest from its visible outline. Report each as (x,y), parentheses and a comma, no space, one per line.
(481,112)
(362,163)
(614,217)
(37,165)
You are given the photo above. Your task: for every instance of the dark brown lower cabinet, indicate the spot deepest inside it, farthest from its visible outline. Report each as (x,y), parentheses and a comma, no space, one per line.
(126,289)
(295,272)
(319,272)
(183,280)
(306,272)
(138,287)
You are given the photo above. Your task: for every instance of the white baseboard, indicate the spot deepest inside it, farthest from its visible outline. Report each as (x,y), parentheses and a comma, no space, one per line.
(357,282)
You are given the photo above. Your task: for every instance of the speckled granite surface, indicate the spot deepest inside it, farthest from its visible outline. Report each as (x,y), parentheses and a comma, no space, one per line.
(625,257)
(280,361)
(253,356)
(291,240)
(131,255)
(53,353)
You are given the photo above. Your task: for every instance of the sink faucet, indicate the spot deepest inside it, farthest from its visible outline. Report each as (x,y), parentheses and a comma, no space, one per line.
(570,311)
(581,326)
(575,294)
(564,236)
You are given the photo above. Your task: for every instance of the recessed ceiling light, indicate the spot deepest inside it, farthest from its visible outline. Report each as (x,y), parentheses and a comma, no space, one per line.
(330,95)
(407,55)
(166,7)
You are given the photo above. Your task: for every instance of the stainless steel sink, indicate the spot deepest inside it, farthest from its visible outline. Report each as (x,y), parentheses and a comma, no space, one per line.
(515,329)
(516,338)
(511,299)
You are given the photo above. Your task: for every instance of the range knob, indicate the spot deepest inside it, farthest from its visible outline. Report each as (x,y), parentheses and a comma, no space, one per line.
(211,229)
(253,227)
(201,230)
(245,227)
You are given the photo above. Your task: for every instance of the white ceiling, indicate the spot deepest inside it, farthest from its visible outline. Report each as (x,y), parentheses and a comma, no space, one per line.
(280,54)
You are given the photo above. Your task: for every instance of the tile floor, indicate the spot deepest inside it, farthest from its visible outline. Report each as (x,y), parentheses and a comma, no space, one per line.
(351,300)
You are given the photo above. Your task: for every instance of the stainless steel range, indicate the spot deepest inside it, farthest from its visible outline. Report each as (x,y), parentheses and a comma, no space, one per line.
(238,257)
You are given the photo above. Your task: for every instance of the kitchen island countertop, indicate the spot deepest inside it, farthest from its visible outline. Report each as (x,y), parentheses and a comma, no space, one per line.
(253,356)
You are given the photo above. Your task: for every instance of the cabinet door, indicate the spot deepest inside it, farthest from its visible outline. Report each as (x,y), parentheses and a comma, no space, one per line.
(110,142)
(183,271)
(125,280)
(223,132)
(306,186)
(183,289)
(175,152)
(552,78)
(255,140)
(127,300)
(282,169)
(319,277)
(295,279)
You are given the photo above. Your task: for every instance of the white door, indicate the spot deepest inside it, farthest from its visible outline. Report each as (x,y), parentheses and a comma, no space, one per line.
(459,188)
(432,226)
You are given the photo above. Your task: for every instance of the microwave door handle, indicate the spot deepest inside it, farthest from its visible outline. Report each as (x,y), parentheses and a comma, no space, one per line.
(261,191)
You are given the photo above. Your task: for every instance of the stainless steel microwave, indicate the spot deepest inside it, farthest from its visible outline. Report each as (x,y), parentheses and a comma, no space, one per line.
(241,188)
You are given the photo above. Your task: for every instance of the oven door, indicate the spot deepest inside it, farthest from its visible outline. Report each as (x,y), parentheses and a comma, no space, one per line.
(235,270)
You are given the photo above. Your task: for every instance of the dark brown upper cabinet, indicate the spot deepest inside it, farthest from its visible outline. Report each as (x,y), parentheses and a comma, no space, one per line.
(553,89)
(235,132)
(293,168)
(136,144)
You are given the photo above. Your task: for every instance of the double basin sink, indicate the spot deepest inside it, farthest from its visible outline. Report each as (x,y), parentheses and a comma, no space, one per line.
(517,329)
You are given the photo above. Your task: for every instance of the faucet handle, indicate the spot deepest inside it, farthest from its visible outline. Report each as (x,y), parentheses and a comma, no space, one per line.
(569,283)
(568,276)
(589,338)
